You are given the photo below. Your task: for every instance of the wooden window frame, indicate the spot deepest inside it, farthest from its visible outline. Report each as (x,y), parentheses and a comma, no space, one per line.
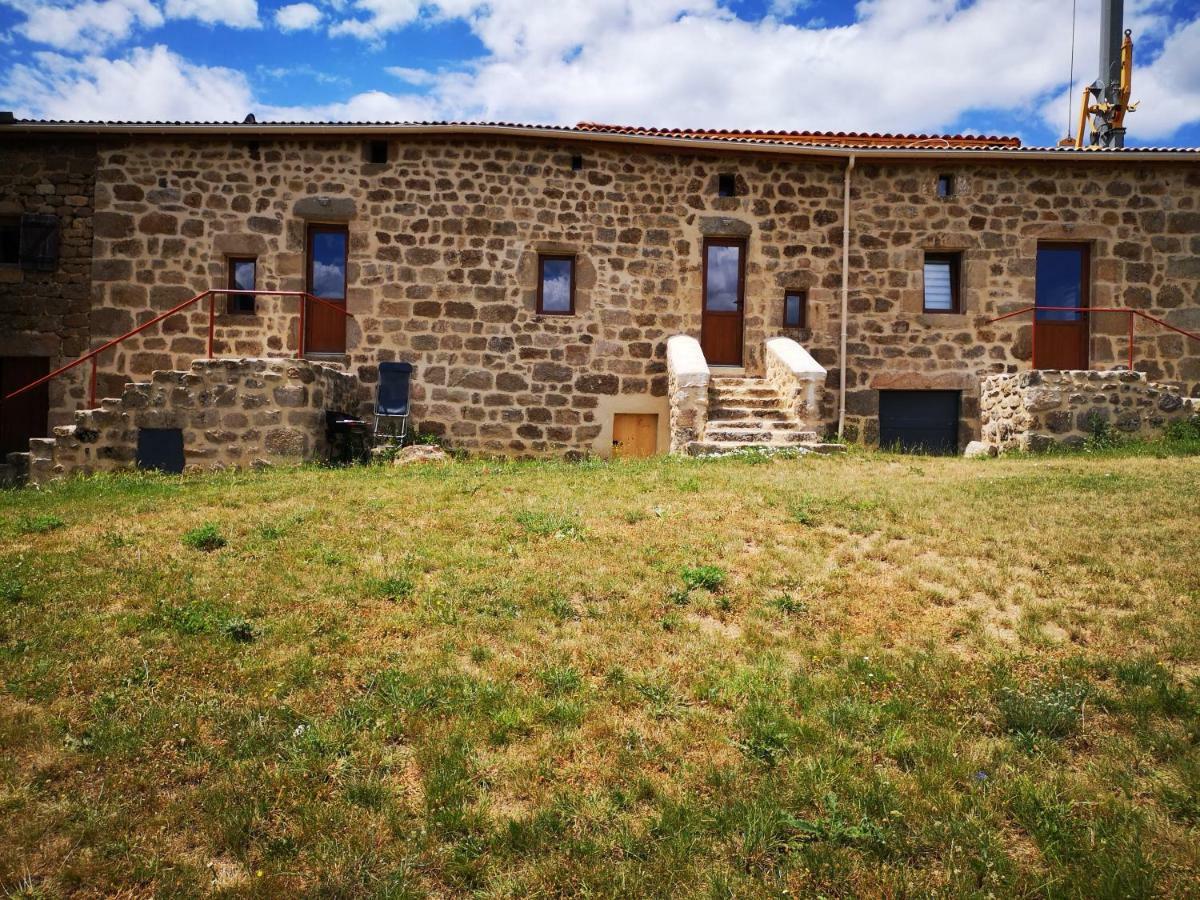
(231,299)
(803,308)
(542,258)
(955,258)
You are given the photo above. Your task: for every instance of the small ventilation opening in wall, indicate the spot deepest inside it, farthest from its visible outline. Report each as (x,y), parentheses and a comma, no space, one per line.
(726,184)
(576,162)
(945,186)
(377,151)
(160,449)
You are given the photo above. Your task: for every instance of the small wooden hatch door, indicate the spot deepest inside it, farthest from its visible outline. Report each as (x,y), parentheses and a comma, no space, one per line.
(635,435)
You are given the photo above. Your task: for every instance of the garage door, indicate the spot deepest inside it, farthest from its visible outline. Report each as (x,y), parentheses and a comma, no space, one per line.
(919,421)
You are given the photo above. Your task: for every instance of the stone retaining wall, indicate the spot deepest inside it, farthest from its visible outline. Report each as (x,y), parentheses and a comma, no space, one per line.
(1032,410)
(232,412)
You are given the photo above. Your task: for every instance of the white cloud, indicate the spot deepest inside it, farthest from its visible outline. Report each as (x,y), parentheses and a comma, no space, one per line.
(149,83)
(902,65)
(415,77)
(233,13)
(298,17)
(94,23)
(382,17)
(369,106)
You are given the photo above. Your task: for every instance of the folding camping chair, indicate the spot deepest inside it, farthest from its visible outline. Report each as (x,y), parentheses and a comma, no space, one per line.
(391,403)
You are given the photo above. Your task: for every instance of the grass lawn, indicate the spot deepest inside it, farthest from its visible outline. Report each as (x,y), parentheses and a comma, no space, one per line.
(872,675)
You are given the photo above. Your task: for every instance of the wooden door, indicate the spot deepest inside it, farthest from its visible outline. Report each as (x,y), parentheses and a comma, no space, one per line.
(23,417)
(1061,332)
(635,435)
(325,328)
(724,296)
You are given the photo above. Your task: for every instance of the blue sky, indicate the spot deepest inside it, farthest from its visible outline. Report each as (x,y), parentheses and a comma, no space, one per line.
(984,66)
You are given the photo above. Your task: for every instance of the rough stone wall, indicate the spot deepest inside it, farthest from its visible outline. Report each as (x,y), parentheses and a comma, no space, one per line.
(47,313)
(1032,410)
(1142,222)
(443,266)
(233,413)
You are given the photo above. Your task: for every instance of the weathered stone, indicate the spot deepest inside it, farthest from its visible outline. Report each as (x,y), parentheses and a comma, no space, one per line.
(419,453)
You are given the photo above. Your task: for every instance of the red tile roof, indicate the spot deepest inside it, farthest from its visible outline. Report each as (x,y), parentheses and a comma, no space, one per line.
(816,138)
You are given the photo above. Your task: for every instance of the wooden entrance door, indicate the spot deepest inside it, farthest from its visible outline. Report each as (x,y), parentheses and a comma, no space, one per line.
(23,417)
(325,328)
(724,299)
(1060,339)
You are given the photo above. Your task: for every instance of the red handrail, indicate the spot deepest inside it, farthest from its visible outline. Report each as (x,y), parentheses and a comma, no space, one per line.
(1095,309)
(212,315)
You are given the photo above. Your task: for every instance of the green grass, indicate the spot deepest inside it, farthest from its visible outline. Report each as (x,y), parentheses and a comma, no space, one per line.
(869,675)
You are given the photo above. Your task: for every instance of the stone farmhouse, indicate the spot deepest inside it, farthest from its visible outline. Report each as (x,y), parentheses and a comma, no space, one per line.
(566,290)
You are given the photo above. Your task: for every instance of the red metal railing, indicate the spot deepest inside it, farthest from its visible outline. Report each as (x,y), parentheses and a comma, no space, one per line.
(211,294)
(1086,310)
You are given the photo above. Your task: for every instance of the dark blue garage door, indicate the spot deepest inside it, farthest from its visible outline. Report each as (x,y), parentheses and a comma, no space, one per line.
(919,421)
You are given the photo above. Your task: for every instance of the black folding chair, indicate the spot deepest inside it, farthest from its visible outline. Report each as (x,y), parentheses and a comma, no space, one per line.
(391,402)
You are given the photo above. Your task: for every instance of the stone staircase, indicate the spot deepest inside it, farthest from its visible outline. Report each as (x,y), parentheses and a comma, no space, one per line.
(745,412)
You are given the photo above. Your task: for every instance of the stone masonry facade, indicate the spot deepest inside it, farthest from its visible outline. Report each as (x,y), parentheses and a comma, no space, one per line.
(49,313)
(233,413)
(444,241)
(1034,410)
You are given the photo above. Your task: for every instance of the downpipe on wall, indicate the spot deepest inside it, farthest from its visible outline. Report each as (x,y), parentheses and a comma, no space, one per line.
(845,295)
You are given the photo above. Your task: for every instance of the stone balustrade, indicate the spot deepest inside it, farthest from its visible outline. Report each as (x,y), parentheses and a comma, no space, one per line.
(797,377)
(687,390)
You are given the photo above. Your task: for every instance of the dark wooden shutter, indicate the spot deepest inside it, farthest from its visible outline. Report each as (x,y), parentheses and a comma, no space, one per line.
(39,242)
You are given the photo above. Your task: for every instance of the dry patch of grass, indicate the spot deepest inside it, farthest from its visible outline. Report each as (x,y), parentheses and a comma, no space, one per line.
(873,674)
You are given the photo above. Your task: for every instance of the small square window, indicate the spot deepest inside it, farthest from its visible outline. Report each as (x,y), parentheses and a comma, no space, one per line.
(945,186)
(942,291)
(576,162)
(556,285)
(242,276)
(795,309)
(726,185)
(377,151)
(10,241)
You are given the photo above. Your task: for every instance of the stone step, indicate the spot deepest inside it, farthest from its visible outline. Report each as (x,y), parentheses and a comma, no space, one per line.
(758,435)
(740,411)
(744,393)
(717,448)
(752,424)
(738,402)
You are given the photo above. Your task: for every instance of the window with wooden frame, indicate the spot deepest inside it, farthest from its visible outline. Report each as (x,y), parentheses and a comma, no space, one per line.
(726,184)
(243,275)
(945,186)
(943,292)
(795,309)
(556,285)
